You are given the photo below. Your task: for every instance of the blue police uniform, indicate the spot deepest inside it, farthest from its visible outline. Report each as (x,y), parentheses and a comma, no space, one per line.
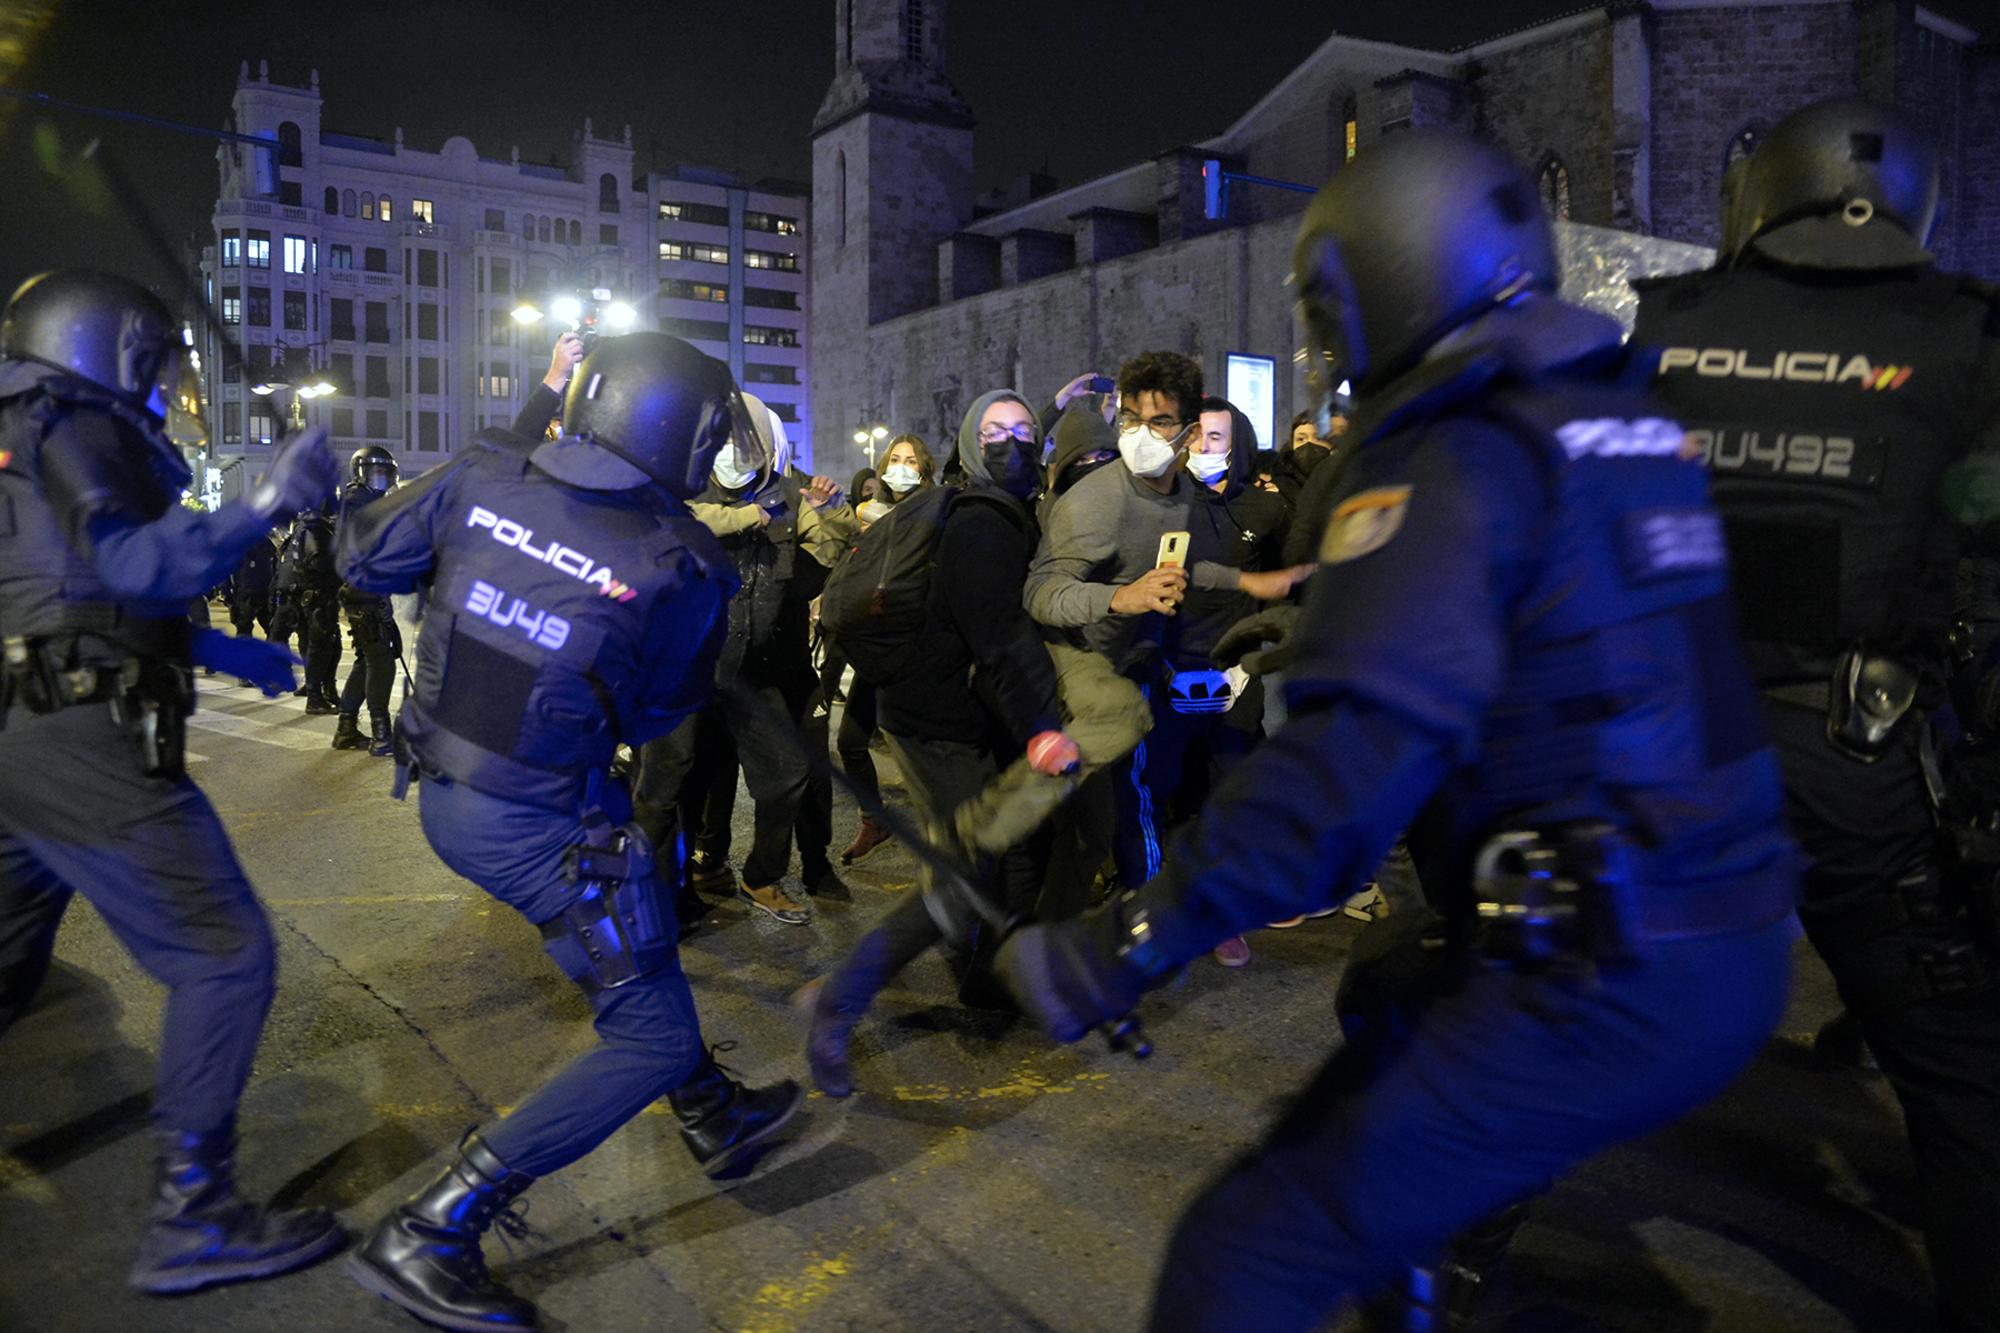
(1523,628)
(98,562)
(1850,421)
(562,622)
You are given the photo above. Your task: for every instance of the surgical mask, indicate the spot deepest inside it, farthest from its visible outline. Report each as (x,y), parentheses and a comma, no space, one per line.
(1208,466)
(900,477)
(729,472)
(1145,453)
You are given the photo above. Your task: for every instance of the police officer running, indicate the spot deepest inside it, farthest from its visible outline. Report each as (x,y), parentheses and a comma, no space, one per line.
(98,559)
(1846,396)
(377,642)
(1526,635)
(575,606)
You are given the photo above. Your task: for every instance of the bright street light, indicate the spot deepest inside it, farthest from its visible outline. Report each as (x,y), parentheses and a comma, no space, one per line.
(860,436)
(567,309)
(618,316)
(880,433)
(526,313)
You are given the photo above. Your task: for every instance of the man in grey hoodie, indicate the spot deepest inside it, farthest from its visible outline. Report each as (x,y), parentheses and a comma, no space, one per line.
(1096,585)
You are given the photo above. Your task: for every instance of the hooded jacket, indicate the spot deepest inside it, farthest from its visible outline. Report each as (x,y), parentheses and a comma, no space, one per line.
(1078,431)
(782,564)
(1239,527)
(984,661)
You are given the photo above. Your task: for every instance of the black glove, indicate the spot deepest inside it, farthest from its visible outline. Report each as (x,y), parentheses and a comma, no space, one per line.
(302,476)
(1068,975)
(1272,625)
(266,665)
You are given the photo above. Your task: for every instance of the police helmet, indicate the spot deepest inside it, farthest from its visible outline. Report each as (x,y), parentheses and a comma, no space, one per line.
(101,328)
(372,466)
(1842,184)
(653,409)
(1412,239)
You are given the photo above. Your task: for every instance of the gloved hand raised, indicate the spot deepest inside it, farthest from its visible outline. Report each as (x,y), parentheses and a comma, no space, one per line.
(302,476)
(1067,975)
(1239,643)
(266,665)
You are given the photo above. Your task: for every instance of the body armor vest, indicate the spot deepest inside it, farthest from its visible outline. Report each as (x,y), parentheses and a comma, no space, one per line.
(531,663)
(48,590)
(1829,409)
(1625,701)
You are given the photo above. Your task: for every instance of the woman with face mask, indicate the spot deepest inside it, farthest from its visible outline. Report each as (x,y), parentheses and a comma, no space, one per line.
(907,468)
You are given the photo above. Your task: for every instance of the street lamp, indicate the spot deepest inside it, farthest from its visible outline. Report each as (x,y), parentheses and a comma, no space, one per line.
(293,371)
(870,438)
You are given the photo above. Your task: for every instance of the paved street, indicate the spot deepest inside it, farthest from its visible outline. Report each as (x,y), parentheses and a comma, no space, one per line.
(979,1181)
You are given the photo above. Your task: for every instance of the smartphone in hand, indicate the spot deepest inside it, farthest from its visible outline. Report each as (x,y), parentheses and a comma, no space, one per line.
(1173,551)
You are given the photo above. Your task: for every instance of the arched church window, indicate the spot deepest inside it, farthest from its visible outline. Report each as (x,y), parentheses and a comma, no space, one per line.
(1553,180)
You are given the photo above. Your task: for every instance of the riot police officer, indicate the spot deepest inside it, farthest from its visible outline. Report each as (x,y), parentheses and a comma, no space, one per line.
(371,473)
(307,595)
(1846,396)
(575,606)
(1522,567)
(98,559)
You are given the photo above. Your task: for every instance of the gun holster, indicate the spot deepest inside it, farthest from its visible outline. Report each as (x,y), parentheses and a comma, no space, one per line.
(152,704)
(1555,897)
(1871,694)
(619,927)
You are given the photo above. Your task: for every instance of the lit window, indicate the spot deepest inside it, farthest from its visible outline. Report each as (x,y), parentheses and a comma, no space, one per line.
(1350,129)
(263,426)
(420,210)
(232,310)
(368,207)
(387,211)
(340,257)
(232,249)
(257,251)
(695,291)
(763,335)
(295,254)
(771,260)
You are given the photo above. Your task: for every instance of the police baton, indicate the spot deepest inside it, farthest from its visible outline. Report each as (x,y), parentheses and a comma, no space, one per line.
(1125,1036)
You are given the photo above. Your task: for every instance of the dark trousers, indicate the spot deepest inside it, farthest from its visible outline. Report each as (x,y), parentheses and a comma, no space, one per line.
(320,613)
(857,729)
(759,721)
(811,711)
(76,816)
(1867,829)
(1169,776)
(649,1037)
(250,609)
(1467,1100)
(373,674)
(684,788)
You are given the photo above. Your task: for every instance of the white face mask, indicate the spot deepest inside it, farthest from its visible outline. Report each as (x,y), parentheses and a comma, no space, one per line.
(1208,466)
(729,473)
(1145,453)
(900,477)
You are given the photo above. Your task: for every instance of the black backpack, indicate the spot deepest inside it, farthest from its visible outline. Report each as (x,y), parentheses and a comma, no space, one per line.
(877,596)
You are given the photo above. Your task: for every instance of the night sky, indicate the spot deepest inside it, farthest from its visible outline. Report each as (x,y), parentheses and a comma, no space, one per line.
(1072,88)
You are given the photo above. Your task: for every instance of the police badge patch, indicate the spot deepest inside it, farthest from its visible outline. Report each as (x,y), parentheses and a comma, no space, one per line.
(1364,523)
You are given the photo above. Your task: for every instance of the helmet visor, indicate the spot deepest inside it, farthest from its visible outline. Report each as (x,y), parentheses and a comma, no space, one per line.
(734,444)
(181,404)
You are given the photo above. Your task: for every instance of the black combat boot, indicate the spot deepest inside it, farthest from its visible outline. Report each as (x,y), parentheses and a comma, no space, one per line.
(347,733)
(722,1121)
(425,1256)
(319,705)
(203,1233)
(1446,1297)
(380,743)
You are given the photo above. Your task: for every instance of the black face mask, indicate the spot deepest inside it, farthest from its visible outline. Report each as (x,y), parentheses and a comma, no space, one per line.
(1011,464)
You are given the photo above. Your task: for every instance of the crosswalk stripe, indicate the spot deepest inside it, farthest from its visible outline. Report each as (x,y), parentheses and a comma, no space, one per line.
(265,731)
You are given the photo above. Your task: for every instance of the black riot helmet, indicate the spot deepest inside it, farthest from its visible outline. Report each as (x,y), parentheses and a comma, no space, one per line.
(101,328)
(654,408)
(1842,184)
(373,466)
(1415,237)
